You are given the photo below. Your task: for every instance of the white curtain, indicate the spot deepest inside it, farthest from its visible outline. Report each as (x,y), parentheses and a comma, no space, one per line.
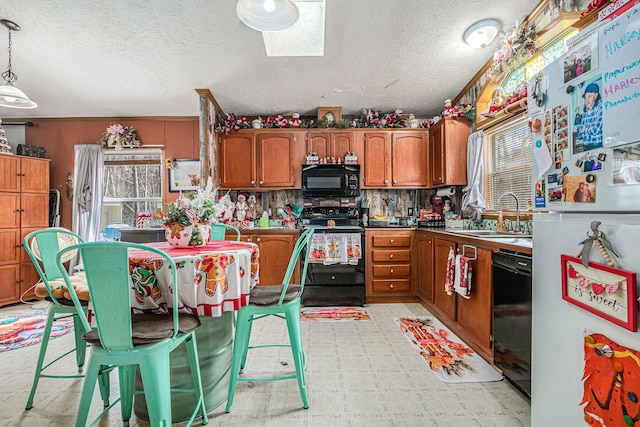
(472,199)
(88,179)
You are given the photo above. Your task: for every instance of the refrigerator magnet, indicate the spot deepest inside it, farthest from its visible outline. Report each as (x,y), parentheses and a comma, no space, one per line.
(565,170)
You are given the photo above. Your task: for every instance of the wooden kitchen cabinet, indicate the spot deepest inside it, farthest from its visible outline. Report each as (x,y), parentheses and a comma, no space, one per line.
(264,159)
(448,152)
(444,303)
(24,207)
(398,159)
(388,264)
(330,143)
(424,271)
(275,252)
(474,315)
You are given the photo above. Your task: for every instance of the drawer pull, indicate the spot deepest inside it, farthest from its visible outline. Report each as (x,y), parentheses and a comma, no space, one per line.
(391,241)
(258,239)
(391,286)
(392,271)
(391,256)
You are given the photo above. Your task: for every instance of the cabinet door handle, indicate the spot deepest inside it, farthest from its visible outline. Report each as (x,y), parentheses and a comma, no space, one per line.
(395,181)
(392,271)
(258,239)
(253,182)
(261,182)
(19,210)
(391,256)
(391,286)
(333,277)
(19,246)
(386,181)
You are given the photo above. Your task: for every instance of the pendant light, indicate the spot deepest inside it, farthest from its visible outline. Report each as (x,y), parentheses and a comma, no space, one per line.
(267,15)
(11,96)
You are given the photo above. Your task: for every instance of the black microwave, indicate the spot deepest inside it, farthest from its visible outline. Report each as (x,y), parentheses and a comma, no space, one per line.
(332,180)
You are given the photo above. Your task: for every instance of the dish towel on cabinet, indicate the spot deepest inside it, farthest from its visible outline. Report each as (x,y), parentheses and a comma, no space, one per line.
(450,274)
(462,279)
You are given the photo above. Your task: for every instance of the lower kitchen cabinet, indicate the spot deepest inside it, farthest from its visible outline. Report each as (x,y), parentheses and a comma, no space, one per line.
(388,264)
(474,315)
(275,248)
(446,304)
(424,277)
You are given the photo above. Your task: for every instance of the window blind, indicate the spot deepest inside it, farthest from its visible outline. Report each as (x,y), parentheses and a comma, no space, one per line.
(507,159)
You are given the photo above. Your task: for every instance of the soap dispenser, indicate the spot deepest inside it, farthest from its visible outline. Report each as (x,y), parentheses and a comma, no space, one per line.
(500,226)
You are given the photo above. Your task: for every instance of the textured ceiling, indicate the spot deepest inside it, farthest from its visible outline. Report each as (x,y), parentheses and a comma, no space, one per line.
(145,58)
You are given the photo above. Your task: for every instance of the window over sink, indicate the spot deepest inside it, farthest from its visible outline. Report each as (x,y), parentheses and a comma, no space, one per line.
(132,184)
(507,163)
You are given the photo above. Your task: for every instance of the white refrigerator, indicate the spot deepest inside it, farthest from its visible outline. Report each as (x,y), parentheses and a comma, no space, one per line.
(586,167)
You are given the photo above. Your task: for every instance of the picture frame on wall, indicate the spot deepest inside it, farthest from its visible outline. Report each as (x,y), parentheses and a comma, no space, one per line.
(605,291)
(332,115)
(185,175)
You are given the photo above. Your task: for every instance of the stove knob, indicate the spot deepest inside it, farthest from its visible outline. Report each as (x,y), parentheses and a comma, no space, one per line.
(323,211)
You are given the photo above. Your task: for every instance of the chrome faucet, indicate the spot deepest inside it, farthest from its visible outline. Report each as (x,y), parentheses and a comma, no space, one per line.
(511,193)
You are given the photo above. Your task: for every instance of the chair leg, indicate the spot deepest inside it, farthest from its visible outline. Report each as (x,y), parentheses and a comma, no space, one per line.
(43,350)
(126,377)
(245,346)
(104,384)
(293,325)
(155,373)
(81,346)
(196,377)
(89,385)
(239,344)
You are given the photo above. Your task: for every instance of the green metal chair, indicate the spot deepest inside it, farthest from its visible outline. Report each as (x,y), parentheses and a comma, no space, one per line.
(125,341)
(42,247)
(282,301)
(219,229)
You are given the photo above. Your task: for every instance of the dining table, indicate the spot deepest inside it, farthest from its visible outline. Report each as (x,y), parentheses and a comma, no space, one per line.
(214,280)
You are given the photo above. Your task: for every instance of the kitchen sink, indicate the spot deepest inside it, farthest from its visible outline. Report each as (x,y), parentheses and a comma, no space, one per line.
(490,234)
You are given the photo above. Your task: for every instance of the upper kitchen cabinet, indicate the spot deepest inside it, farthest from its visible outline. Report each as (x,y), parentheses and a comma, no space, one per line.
(395,159)
(330,143)
(448,152)
(260,160)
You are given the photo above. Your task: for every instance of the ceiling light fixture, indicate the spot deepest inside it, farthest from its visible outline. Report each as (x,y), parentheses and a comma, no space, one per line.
(267,15)
(482,33)
(11,96)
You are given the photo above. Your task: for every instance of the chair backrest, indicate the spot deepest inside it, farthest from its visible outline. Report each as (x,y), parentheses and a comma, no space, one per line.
(303,243)
(106,265)
(43,246)
(219,229)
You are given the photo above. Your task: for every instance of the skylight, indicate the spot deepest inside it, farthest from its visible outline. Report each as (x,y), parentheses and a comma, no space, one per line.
(305,37)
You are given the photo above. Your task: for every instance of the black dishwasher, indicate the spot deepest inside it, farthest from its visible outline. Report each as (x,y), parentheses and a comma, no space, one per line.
(512,317)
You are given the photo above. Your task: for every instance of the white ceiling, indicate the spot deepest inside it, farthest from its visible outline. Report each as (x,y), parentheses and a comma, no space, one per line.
(119,58)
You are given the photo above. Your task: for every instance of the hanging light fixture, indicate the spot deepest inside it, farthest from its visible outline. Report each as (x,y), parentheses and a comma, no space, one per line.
(482,33)
(11,96)
(267,15)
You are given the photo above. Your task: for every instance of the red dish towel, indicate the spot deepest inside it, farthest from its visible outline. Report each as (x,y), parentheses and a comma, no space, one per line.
(462,279)
(449,277)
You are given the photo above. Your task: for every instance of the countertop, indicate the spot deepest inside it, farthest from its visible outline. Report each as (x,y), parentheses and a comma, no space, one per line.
(518,244)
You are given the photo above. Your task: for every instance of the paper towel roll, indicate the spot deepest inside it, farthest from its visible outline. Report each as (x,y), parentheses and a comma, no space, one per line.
(446,192)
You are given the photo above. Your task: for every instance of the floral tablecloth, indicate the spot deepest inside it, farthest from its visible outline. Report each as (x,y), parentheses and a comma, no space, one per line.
(213,278)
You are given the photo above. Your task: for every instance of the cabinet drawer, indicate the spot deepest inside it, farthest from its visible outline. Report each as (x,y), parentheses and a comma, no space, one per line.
(390,285)
(393,241)
(398,270)
(382,255)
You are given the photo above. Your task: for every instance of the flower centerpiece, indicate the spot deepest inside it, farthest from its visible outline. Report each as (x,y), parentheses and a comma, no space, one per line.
(187,221)
(118,136)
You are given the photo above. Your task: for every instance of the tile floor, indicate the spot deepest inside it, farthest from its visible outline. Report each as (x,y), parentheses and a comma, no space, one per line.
(359,374)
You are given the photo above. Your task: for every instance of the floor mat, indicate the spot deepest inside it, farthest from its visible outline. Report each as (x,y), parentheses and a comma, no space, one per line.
(21,330)
(333,314)
(450,359)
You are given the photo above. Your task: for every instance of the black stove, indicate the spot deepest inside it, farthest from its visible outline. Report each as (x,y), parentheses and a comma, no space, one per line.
(334,284)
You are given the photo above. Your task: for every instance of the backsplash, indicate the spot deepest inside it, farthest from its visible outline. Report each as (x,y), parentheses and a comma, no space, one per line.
(491,224)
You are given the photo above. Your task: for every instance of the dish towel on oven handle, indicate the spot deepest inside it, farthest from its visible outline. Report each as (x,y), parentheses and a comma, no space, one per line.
(462,279)
(450,273)
(336,248)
